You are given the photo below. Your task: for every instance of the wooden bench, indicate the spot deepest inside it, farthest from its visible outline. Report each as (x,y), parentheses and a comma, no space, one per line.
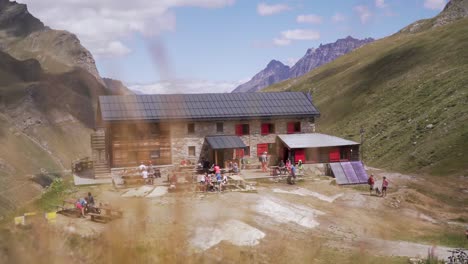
(67,210)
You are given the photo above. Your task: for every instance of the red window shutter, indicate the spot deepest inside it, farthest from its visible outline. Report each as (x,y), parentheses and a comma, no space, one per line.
(299,154)
(290,128)
(239,130)
(262,148)
(265,129)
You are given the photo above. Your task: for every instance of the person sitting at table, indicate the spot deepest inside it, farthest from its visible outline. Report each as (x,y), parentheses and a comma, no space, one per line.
(223,183)
(235,168)
(144,174)
(281,166)
(300,166)
(288,165)
(90,199)
(209,184)
(81,204)
(230,166)
(142,166)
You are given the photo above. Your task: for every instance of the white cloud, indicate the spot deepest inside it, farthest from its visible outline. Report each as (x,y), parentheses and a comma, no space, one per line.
(312,19)
(291,61)
(105,24)
(264,9)
(434,4)
(380,3)
(281,41)
(113,49)
(286,37)
(186,86)
(300,34)
(338,17)
(363,12)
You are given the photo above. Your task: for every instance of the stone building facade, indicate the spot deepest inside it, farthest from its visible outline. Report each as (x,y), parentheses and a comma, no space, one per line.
(182,139)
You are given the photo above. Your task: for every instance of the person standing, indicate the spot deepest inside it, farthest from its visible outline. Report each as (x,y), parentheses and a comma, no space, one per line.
(371,182)
(384,186)
(144,174)
(264,159)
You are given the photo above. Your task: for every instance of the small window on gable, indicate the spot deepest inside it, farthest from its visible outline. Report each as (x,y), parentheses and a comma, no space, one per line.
(219,127)
(191,151)
(191,128)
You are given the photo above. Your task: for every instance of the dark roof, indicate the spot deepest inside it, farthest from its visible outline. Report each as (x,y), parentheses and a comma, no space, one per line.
(206,106)
(225,142)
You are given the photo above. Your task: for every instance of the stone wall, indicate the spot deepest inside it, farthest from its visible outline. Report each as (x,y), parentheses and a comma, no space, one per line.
(182,139)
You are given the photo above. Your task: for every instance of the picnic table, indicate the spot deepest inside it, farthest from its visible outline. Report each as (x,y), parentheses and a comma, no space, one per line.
(278,171)
(107,214)
(69,210)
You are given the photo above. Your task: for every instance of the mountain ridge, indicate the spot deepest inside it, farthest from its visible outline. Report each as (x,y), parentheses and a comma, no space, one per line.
(276,71)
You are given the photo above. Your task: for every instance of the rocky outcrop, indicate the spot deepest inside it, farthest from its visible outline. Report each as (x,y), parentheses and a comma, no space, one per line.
(276,71)
(273,73)
(325,53)
(116,87)
(453,11)
(25,37)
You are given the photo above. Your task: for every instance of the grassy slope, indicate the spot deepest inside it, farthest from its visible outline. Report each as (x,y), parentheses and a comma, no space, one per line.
(394,88)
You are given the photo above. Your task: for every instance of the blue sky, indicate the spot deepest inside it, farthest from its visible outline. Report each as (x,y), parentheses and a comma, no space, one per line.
(221,41)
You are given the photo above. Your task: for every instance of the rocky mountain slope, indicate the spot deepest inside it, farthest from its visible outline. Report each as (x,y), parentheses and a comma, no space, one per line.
(49,85)
(454,10)
(277,71)
(274,72)
(409,92)
(25,37)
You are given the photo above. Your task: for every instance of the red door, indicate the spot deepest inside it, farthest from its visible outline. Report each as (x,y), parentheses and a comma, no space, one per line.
(299,154)
(334,155)
(262,148)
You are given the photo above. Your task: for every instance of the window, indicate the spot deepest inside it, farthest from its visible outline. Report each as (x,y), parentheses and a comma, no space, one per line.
(191,151)
(219,127)
(267,128)
(155,154)
(191,128)
(294,127)
(242,129)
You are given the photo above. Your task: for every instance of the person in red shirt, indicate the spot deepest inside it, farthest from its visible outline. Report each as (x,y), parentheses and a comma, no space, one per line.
(371,183)
(384,186)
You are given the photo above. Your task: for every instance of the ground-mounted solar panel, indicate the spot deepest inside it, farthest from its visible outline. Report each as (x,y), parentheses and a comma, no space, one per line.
(358,167)
(349,172)
(339,174)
